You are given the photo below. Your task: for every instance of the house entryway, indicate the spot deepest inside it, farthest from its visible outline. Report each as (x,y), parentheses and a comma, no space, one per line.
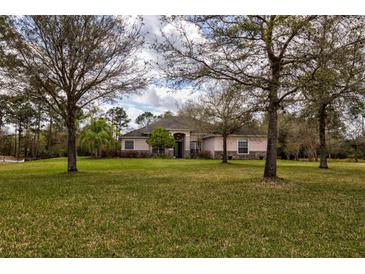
(179,145)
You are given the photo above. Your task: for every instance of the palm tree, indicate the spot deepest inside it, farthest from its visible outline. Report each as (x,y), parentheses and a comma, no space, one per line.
(95,135)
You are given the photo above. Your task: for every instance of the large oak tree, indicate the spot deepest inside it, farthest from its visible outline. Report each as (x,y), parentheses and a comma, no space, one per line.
(264,53)
(71,61)
(336,76)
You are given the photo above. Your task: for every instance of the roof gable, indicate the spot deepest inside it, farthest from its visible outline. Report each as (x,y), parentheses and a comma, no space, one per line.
(169,123)
(182,123)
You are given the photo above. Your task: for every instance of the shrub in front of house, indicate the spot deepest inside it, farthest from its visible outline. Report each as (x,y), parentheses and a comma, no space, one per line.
(129,154)
(145,154)
(115,153)
(160,139)
(135,154)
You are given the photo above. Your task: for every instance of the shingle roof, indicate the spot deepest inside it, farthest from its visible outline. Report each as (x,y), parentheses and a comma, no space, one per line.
(170,123)
(181,123)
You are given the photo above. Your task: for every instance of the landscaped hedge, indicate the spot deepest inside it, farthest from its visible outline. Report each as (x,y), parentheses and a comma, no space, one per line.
(135,154)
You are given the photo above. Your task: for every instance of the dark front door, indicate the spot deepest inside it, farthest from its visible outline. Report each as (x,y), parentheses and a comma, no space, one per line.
(179,149)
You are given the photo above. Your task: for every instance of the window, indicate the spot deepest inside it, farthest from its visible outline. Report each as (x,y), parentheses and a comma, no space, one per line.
(242,146)
(128,144)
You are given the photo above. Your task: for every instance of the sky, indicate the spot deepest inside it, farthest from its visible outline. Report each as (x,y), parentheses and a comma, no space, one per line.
(156,98)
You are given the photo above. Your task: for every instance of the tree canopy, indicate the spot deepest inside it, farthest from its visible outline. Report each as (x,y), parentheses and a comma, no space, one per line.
(119,119)
(161,138)
(96,135)
(145,119)
(70,61)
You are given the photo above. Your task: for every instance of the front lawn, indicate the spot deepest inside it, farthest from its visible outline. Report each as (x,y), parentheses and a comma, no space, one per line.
(180,208)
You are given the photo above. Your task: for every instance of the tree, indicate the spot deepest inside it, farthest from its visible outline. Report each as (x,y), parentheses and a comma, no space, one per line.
(161,139)
(96,135)
(6,57)
(336,76)
(355,132)
(52,119)
(21,113)
(264,53)
(221,112)
(145,119)
(119,119)
(290,137)
(71,61)
(56,136)
(3,108)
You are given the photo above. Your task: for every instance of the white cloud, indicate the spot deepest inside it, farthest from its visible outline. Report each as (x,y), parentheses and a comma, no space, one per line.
(163,98)
(153,30)
(133,113)
(156,99)
(175,30)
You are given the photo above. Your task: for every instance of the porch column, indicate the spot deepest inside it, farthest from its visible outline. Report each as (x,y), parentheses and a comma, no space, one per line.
(187,146)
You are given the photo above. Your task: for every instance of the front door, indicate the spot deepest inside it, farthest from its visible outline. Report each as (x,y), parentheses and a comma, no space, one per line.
(178,151)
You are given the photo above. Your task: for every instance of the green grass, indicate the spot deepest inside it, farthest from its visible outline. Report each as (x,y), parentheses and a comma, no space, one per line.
(181,208)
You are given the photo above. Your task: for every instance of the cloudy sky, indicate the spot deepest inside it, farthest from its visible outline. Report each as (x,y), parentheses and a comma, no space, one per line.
(155,98)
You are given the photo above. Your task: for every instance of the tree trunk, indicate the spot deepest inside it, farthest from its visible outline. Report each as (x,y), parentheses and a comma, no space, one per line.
(19,141)
(36,148)
(96,151)
(26,146)
(272,131)
(322,137)
(272,140)
(356,150)
(71,142)
(224,156)
(15,140)
(49,144)
(32,148)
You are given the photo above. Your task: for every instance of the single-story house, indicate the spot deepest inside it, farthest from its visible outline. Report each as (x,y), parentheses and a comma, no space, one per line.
(190,142)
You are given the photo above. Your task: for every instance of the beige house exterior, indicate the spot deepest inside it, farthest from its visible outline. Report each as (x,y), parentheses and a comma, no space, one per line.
(190,142)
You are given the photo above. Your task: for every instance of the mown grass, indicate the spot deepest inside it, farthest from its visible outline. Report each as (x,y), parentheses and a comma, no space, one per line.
(181,208)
